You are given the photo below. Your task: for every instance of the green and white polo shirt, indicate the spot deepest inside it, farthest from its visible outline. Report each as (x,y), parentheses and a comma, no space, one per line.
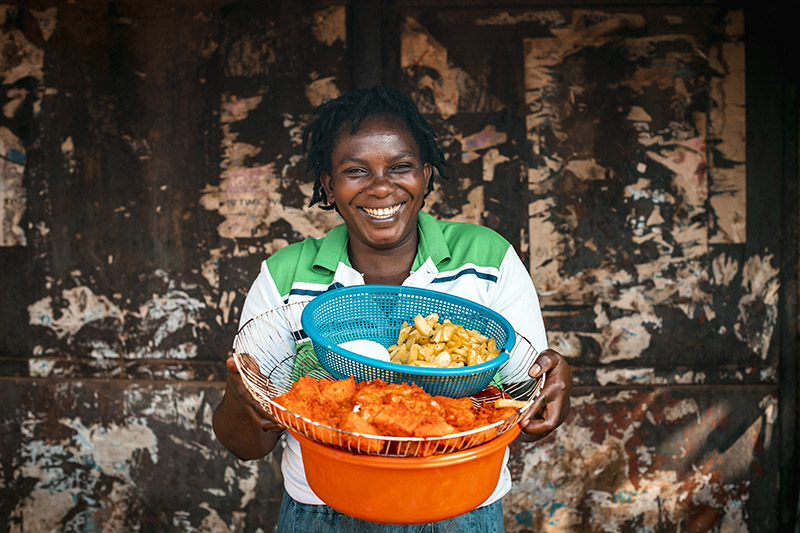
(466,260)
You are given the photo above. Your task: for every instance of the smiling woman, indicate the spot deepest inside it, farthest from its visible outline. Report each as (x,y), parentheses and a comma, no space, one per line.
(374,159)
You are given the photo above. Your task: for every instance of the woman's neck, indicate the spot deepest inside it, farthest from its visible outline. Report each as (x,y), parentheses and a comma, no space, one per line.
(389,267)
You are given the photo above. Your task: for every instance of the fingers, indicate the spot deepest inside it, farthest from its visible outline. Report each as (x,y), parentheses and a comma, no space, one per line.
(545,361)
(551,407)
(237,391)
(538,428)
(231,364)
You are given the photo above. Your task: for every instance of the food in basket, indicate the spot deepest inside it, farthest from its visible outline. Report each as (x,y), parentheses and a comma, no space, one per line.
(431,343)
(384,409)
(507,402)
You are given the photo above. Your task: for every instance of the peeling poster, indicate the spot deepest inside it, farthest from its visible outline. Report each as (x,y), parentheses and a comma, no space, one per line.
(12,194)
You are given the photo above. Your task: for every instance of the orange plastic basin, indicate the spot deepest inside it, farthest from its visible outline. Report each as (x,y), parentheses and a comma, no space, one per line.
(404,490)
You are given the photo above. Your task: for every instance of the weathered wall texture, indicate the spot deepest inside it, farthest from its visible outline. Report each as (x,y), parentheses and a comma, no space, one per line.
(151,159)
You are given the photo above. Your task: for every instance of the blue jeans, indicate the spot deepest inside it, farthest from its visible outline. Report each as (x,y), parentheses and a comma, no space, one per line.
(301,517)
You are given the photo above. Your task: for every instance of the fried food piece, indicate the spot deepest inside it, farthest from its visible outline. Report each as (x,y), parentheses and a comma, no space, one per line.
(397,420)
(301,398)
(353,423)
(433,426)
(459,412)
(507,402)
(306,399)
(340,391)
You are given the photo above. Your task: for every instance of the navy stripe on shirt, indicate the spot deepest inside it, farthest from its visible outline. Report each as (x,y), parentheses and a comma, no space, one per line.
(467,271)
(312,292)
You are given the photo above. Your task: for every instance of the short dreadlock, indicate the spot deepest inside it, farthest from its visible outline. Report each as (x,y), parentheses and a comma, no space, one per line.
(351,108)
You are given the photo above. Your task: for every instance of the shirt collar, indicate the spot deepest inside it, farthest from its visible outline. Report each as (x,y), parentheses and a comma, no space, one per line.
(333,249)
(431,241)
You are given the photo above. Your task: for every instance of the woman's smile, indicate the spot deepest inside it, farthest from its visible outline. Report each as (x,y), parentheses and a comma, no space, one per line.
(383,213)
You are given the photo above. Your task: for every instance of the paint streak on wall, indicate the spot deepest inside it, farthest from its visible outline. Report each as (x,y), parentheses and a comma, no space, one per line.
(167,326)
(652,249)
(82,307)
(322,89)
(12,193)
(329,25)
(100,457)
(104,454)
(242,199)
(162,317)
(727,188)
(479,146)
(242,195)
(21,58)
(68,151)
(642,457)
(475,148)
(488,137)
(19,61)
(450,88)
(418,48)
(759,304)
(504,18)
(249,197)
(250,201)
(253,53)
(46,19)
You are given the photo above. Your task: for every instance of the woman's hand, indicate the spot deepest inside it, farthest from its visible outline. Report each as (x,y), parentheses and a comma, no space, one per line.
(551,407)
(235,387)
(240,423)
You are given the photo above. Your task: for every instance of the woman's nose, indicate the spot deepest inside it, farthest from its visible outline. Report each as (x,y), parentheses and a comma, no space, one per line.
(381,183)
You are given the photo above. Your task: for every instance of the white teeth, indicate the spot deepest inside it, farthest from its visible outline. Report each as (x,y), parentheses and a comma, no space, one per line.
(382,212)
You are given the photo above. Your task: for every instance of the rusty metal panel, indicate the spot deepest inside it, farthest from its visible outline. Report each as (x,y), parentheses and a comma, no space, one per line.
(118,455)
(161,153)
(661,459)
(632,155)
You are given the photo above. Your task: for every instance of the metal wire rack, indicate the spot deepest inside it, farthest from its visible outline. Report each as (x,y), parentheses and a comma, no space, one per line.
(272,352)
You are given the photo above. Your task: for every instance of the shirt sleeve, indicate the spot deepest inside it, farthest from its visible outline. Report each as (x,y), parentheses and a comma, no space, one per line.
(269,330)
(262,296)
(516,299)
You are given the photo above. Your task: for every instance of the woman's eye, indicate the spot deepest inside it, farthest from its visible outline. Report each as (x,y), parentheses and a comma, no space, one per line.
(355,171)
(402,167)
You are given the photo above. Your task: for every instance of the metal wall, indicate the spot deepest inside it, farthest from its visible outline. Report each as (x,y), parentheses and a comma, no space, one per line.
(642,158)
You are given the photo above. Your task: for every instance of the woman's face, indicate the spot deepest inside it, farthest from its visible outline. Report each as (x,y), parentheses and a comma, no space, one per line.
(378,182)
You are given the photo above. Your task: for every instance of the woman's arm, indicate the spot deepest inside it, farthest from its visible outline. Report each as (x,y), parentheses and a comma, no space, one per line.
(551,407)
(241,425)
(239,422)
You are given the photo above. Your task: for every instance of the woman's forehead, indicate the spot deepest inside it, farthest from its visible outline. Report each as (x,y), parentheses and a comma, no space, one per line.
(388,123)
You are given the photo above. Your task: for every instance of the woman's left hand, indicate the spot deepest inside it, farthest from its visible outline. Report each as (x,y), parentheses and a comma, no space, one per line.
(551,407)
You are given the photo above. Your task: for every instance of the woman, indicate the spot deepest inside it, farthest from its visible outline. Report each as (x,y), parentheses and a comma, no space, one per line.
(373,156)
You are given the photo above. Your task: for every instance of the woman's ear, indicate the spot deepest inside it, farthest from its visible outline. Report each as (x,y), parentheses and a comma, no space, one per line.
(427,168)
(327,185)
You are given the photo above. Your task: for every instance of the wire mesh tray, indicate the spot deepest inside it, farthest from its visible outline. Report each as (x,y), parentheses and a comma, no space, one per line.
(271,353)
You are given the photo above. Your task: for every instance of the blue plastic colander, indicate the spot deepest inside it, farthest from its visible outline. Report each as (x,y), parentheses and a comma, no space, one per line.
(376,313)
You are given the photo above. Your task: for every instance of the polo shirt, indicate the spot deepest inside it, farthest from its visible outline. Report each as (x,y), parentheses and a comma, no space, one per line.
(462,259)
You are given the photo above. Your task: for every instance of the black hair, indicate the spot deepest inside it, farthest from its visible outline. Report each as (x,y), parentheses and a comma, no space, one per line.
(351,108)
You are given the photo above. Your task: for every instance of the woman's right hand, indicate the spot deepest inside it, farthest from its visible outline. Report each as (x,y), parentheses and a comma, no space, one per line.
(240,423)
(235,387)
